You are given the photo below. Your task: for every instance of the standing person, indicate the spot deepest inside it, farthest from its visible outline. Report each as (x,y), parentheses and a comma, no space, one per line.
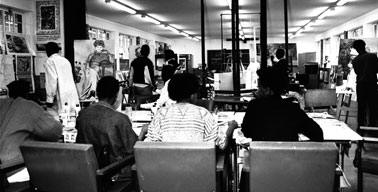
(271,118)
(282,63)
(170,66)
(60,85)
(138,72)
(365,66)
(109,131)
(23,120)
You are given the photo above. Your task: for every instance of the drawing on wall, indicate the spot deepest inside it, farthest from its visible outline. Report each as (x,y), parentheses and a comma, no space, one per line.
(93,60)
(24,69)
(16,44)
(48,18)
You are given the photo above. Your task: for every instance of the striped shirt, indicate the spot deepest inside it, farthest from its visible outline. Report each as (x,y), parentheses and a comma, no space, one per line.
(183,122)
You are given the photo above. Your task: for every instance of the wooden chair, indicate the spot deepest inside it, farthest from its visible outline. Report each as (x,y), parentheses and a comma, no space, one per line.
(292,166)
(320,99)
(184,167)
(368,160)
(62,167)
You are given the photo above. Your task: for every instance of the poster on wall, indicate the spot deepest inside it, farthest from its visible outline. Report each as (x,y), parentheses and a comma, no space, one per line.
(16,44)
(93,60)
(346,55)
(48,20)
(24,69)
(272,47)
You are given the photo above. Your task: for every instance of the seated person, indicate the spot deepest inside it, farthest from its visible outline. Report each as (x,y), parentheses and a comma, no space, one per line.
(183,121)
(271,118)
(109,131)
(23,120)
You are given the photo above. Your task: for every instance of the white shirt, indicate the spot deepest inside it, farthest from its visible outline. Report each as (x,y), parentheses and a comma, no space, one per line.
(164,98)
(60,82)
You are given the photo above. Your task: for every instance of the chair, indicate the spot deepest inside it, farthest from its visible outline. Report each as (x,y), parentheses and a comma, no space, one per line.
(320,98)
(62,167)
(292,166)
(369,154)
(171,167)
(343,105)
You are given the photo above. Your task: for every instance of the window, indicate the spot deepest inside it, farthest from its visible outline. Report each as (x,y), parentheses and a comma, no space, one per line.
(98,34)
(355,33)
(13,22)
(125,41)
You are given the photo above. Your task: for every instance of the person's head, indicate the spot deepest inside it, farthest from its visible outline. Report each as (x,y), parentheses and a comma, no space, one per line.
(52,48)
(183,87)
(18,88)
(145,50)
(99,45)
(280,53)
(359,45)
(169,54)
(108,90)
(271,82)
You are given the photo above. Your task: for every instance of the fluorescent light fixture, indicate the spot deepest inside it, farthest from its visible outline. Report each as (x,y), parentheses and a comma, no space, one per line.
(229,4)
(195,39)
(151,20)
(173,29)
(342,2)
(120,6)
(185,34)
(324,14)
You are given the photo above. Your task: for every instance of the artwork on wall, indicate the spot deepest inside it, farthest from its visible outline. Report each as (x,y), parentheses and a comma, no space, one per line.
(24,69)
(272,47)
(16,44)
(48,20)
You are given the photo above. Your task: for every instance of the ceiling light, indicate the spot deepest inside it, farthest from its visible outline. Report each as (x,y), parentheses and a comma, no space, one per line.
(195,39)
(151,19)
(342,2)
(120,6)
(173,29)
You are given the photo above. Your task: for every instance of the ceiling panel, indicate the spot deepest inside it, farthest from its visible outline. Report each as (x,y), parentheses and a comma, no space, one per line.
(186,15)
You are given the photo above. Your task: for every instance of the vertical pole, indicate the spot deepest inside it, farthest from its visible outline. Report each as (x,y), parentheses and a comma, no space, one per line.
(204,74)
(222,51)
(263,34)
(287,36)
(321,51)
(235,47)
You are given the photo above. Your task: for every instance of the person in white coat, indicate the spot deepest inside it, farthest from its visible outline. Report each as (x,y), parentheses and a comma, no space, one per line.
(60,85)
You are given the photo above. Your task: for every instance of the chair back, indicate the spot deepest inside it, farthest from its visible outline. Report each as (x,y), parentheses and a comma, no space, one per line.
(320,98)
(61,167)
(171,167)
(292,166)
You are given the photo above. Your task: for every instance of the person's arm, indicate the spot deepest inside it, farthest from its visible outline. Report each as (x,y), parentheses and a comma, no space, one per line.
(211,129)
(310,128)
(131,76)
(125,134)
(51,80)
(152,75)
(45,127)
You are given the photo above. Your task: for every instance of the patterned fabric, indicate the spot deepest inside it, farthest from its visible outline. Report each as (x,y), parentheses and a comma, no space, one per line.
(183,122)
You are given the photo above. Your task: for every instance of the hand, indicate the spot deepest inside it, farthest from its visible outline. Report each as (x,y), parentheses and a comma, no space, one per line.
(143,133)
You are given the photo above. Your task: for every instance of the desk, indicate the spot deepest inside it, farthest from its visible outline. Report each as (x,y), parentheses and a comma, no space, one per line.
(139,118)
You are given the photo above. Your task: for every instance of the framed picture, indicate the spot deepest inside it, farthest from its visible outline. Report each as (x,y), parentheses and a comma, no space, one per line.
(48,17)
(16,44)
(24,69)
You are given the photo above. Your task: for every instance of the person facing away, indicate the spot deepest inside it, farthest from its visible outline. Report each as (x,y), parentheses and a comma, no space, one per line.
(170,66)
(60,85)
(183,121)
(108,130)
(23,120)
(138,71)
(282,63)
(271,118)
(365,66)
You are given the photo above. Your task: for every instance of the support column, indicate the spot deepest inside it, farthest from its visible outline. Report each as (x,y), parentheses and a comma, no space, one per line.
(235,47)
(263,34)
(204,73)
(287,36)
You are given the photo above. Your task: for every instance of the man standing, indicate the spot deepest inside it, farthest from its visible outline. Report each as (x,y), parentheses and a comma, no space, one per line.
(366,67)
(60,85)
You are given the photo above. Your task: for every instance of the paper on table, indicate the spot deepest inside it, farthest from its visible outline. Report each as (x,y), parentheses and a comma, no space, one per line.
(20,176)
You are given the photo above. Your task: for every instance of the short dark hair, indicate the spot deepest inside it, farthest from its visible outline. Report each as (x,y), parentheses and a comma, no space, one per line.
(145,50)
(182,86)
(280,53)
(107,88)
(274,79)
(18,88)
(98,42)
(51,48)
(359,44)
(169,54)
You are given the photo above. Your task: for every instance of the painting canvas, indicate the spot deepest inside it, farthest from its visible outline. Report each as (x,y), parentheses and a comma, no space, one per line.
(24,69)
(16,44)
(48,17)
